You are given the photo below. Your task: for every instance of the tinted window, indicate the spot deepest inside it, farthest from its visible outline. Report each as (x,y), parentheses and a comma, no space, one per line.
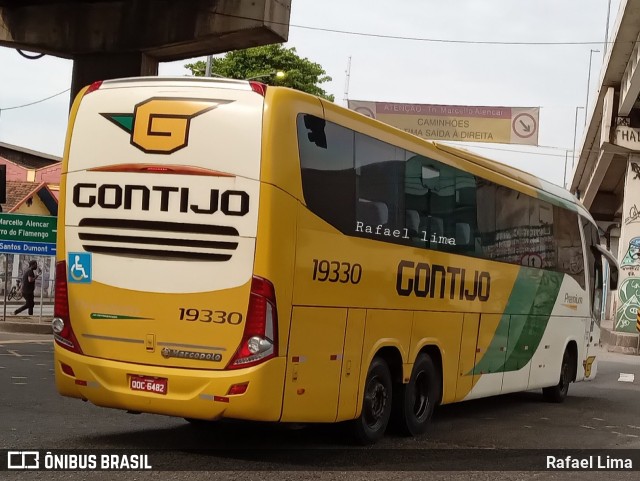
(441,206)
(569,244)
(379,185)
(366,187)
(328,174)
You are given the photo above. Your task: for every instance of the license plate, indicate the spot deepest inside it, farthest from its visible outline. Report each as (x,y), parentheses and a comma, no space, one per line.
(157,385)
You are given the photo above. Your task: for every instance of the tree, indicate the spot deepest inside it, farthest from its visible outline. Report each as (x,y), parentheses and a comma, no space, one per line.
(262,63)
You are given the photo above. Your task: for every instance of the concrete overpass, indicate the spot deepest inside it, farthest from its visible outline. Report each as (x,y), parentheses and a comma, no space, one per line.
(607,173)
(111,38)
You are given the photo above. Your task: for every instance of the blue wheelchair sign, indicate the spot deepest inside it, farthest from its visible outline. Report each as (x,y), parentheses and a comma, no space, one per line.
(79,267)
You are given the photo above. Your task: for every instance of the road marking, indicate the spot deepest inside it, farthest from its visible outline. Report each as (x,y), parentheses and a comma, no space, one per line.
(586,427)
(598,419)
(624,377)
(17,354)
(625,435)
(26,341)
(633,427)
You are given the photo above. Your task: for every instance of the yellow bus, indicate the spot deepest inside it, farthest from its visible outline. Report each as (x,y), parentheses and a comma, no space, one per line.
(231,250)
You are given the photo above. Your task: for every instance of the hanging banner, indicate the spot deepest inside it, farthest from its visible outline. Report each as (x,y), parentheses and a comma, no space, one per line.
(502,125)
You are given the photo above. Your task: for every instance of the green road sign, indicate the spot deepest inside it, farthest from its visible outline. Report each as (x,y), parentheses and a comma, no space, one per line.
(28,228)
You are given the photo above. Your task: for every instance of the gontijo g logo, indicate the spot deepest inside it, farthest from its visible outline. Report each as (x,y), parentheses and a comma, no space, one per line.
(161,125)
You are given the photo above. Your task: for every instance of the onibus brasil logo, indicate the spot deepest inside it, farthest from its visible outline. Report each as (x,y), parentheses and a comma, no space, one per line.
(161,125)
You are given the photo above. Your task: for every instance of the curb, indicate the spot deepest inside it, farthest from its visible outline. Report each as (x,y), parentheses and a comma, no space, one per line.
(26,327)
(619,342)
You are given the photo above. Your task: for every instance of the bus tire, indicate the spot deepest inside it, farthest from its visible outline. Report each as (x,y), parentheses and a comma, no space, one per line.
(558,393)
(372,423)
(416,400)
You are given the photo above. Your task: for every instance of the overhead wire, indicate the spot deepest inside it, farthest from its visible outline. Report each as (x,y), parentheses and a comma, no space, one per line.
(2,109)
(391,37)
(418,39)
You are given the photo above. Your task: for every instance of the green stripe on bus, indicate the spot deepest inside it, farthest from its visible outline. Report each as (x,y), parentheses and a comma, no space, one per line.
(533,296)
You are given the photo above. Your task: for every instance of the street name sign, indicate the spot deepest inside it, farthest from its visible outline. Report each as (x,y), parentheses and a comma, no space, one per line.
(502,125)
(28,234)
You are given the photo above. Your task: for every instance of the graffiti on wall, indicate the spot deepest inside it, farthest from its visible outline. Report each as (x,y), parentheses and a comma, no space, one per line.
(631,258)
(629,294)
(634,215)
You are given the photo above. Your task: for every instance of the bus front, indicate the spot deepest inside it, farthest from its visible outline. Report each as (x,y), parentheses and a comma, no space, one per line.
(157,306)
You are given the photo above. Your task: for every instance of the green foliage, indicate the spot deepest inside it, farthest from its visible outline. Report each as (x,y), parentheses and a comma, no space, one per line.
(262,63)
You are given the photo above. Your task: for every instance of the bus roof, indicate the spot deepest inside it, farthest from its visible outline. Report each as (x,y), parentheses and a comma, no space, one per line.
(513,173)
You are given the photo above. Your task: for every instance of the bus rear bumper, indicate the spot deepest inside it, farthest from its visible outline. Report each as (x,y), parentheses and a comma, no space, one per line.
(191,393)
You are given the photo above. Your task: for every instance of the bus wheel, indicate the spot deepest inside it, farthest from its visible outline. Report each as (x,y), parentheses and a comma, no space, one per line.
(558,393)
(417,399)
(376,404)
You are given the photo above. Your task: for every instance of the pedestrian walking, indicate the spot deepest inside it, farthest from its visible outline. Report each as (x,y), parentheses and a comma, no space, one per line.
(28,288)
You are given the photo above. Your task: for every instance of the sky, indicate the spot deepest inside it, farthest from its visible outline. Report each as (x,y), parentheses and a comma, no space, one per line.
(468,71)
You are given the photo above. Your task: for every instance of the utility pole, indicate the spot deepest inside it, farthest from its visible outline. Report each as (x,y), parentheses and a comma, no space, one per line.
(586,106)
(346,83)
(575,134)
(606,33)
(207,69)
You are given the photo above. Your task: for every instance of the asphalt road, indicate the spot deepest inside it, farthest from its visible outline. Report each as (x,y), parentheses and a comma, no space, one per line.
(602,415)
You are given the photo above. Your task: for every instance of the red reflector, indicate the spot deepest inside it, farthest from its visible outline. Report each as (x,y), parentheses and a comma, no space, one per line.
(67,369)
(93,87)
(221,399)
(81,383)
(238,389)
(161,169)
(295,359)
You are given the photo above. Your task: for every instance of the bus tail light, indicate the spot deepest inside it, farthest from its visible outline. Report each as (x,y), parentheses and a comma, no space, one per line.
(260,337)
(61,325)
(259,88)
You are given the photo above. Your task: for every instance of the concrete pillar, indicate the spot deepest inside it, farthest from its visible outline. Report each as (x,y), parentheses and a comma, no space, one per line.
(104,66)
(628,297)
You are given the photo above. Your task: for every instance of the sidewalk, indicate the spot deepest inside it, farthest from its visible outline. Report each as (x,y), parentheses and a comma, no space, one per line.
(27,324)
